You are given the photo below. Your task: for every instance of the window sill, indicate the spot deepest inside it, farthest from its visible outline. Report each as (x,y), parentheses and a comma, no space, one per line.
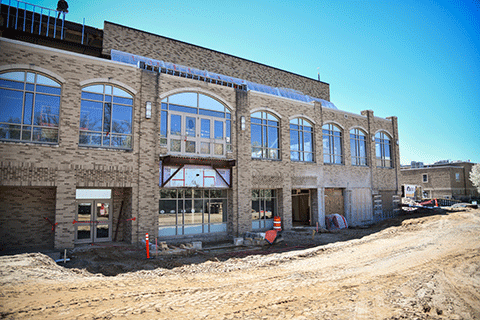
(31,143)
(84,147)
(266,159)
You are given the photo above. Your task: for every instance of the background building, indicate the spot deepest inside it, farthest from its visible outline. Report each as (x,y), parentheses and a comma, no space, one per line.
(109,134)
(443,179)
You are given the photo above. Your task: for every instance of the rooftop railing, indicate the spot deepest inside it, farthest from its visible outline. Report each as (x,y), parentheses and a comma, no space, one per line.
(34,19)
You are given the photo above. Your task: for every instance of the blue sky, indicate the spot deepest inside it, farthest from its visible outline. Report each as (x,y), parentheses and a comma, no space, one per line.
(417,60)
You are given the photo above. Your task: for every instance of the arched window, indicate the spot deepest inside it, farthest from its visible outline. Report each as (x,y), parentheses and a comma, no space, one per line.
(332,144)
(106,117)
(195,124)
(358,147)
(301,140)
(264,136)
(383,150)
(29,107)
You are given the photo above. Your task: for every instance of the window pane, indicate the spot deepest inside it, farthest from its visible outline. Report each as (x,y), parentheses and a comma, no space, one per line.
(211,113)
(95,88)
(46,111)
(256,152)
(10,132)
(218,149)
(326,144)
(17,76)
(183,109)
(175,145)
(122,119)
(190,127)
(92,96)
(294,140)
(163,124)
(11,84)
(295,156)
(307,142)
(273,154)
(50,90)
(190,146)
(11,103)
(127,101)
(90,138)
(205,102)
(218,130)
(205,130)
(121,141)
(27,133)
(205,148)
(184,99)
(27,113)
(107,116)
(256,138)
(176,124)
(91,115)
(46,81)
(308,157)
(120,93)
(227,129)
(45,134)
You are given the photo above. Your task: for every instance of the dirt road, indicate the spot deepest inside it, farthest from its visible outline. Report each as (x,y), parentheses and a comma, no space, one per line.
(426,268)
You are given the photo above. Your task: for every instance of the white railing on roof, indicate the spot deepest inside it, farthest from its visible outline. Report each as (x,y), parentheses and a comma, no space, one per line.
(34,15)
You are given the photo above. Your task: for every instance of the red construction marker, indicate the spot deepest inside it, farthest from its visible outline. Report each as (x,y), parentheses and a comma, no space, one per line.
(148,246)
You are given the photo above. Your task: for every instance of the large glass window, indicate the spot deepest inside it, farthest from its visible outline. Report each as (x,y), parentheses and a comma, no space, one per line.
(383,150)
(192,211)
(195,124)
(29,107)
(301,140)
(265,136)
(106,117)
(264,208)
(332,144)
(358,147)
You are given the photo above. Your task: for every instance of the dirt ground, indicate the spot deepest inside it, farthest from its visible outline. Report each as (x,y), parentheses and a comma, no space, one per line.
(417,266)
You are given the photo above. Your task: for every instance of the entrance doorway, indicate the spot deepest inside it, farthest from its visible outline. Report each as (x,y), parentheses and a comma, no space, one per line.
(93,221)
(93,218)
(301,207)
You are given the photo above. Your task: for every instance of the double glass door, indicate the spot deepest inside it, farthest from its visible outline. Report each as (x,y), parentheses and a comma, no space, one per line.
(93,221)
(194,134)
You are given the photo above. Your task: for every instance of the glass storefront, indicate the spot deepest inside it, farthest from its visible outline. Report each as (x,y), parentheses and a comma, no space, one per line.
(186,211)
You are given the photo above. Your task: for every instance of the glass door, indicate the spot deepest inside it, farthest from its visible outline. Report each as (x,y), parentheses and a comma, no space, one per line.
(93,221)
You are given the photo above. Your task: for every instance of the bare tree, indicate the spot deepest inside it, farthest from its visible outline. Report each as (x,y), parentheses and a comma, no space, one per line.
(475,176)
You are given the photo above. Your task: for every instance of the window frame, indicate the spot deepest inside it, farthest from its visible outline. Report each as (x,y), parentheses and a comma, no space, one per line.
(265,121)
(262,196)
(218,145)
(117,99)
(333,135)
(382,140)
(357,159)
(32,92)
(189,198)
(301,123)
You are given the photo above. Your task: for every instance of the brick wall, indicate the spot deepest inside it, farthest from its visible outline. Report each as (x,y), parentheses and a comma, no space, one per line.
(169,50)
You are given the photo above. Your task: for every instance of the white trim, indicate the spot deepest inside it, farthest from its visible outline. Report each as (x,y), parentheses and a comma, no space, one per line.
(358,127)
(197,90)
(13,67)
(266,110)
(334,122)
(380,130)
(107,80)
(302,116)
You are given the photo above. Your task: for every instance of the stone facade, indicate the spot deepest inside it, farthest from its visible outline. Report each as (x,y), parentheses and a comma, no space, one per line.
(29,171)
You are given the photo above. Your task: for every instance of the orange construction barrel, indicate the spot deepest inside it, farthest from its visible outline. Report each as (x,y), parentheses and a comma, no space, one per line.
(277,223)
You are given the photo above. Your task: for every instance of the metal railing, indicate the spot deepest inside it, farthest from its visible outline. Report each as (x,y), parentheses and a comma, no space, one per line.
(29,17)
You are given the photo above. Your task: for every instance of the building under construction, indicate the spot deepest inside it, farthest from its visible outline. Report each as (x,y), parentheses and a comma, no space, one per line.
(108,134)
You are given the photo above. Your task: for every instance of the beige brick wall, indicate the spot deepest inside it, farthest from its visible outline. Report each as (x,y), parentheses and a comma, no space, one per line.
(134,175)
(161,48)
